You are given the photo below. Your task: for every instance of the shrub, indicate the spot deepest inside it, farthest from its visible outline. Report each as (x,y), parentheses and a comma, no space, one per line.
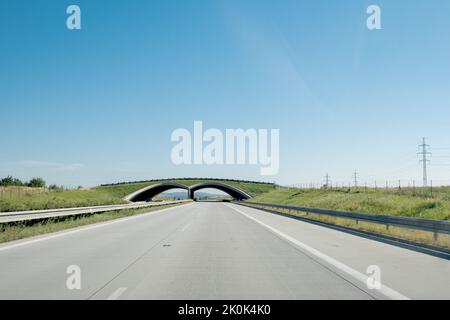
(36,183)
(55,187)
(10,181)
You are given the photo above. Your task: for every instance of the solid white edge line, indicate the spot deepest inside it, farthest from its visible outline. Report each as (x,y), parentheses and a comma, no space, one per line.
(116,294)
(385,290)
(80,229)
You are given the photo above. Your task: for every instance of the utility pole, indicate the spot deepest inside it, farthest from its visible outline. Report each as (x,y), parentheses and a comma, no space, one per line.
(424,153)
(327,181)
(355,178)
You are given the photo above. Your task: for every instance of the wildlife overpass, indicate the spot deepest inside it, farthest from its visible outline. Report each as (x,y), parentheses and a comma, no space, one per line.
(149,192)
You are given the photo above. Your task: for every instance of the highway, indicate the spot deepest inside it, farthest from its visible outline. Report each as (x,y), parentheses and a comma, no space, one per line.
(214,250)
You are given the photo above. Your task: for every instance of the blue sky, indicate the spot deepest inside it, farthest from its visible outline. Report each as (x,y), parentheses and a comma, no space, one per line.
(98,105)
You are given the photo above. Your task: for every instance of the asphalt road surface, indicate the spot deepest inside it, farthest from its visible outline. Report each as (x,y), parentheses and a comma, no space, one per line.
(210,250)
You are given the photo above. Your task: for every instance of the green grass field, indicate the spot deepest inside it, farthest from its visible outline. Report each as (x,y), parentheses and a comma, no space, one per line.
(16,199)
(402,202)
(22,198)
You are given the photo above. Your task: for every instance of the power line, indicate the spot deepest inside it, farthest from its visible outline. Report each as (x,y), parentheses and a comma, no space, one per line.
(424,153)
(327,180)
(355,178)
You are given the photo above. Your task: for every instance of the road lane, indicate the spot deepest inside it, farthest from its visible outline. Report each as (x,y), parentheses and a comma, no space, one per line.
(223,255)
(413,274)
(198,251)
(37,270)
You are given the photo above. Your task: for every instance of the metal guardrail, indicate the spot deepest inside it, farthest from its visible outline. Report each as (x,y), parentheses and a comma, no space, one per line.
(435,226)
(17,216)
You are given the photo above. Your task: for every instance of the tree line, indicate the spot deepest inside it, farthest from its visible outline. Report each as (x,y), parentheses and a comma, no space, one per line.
(10,181)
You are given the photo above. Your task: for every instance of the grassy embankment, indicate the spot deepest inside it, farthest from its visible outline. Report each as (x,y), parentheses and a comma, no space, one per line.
(417,203)
(396,202)
(22,198)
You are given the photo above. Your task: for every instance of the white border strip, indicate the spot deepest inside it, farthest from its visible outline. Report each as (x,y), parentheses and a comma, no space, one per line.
(385,290)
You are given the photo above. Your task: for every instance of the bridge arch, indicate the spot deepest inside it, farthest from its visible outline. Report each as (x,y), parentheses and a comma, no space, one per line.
(234,192)
(147,193)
